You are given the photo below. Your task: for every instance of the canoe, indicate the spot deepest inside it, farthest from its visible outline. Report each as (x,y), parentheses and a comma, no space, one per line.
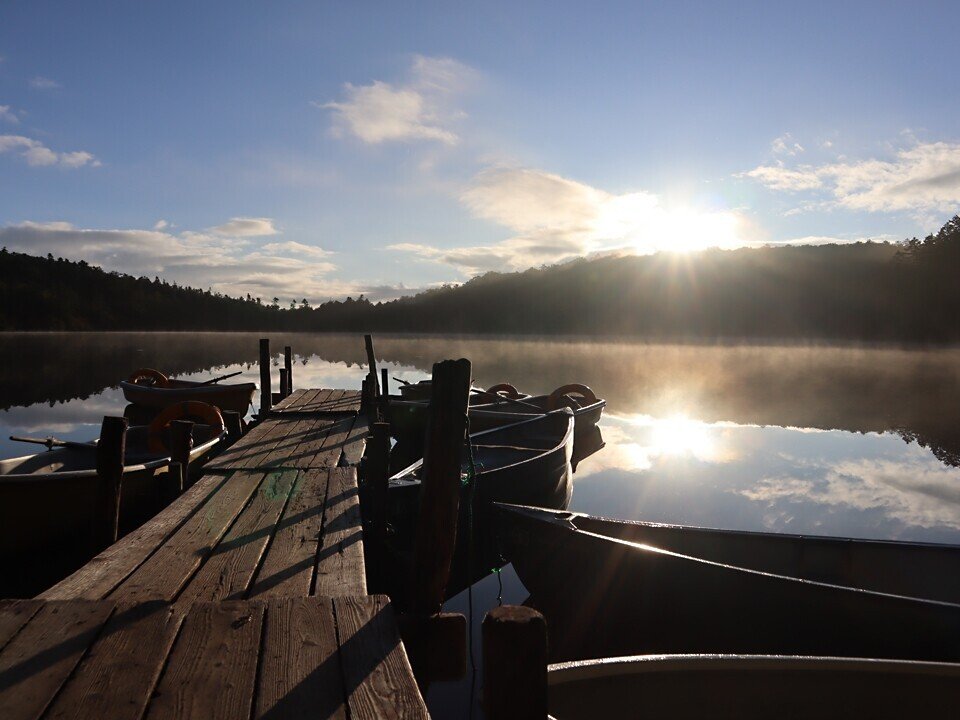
(526,459)
(751,686)
(235,398)
(530,459)
(614,588)
(587,408)
(47,505)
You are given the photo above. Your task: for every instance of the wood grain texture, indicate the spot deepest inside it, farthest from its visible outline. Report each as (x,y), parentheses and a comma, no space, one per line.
(14,614)
(166,571)
(250,443)
(340,561)
(288,567)
(300,673)
(212,668)
(356,442)
(314,434)
(377,676)
(117,677)
(297,396)
(104,572)
(39,659)
(229,570)
(324,401)
(323,449)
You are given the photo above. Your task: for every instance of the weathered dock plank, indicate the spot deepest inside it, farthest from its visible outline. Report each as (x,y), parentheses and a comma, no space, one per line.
(300,667)
(117,676)
(166,571)
(39,659)
(340,561)
(323,401)
(284,659)
(211,671)
(376,670)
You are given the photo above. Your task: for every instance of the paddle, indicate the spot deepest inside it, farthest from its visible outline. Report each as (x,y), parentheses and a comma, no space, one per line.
(222,377)
(52,442)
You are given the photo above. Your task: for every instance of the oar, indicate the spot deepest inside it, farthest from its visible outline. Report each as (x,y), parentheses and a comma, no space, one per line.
(222,377)
(52,442)
(402,382)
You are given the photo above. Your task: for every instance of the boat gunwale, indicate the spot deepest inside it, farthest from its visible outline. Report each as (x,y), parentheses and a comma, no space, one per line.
(803,582)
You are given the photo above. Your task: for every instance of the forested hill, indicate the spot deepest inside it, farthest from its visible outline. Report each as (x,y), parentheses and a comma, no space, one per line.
(865,291)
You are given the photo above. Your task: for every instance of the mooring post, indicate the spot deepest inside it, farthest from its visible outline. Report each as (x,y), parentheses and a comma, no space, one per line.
(384,392)
(111,450)
(283,383)
(514,664)
(440,487)
(372,362)
(288,365)
(234,425)
(266,399)
(377,472)
(181,443)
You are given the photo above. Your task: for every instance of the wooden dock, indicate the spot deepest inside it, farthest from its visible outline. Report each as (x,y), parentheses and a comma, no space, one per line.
(245,598)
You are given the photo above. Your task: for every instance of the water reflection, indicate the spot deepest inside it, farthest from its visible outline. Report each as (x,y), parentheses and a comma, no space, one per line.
(811,439)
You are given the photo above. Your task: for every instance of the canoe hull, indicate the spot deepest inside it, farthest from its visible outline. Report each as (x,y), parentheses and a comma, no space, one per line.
(744,687)
(604,597)
(47,509)
(233,398)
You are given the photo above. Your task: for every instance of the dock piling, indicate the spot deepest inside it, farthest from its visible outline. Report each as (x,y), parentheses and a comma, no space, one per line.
(181,443)
(111,450)
(266,398)
(440,488)
(372,362)
(288,366)
(283,383)
(514,664)
(234,425)
(377,472)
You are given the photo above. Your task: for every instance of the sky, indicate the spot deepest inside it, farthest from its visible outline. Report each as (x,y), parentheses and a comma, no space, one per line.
(326,149)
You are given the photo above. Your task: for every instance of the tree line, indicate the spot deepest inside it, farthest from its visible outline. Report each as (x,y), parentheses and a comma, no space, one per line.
(865,291)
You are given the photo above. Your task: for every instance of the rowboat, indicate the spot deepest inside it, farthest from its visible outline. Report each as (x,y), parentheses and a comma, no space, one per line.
(528,461)
(751,686)
(152,389)
(47,504)
(615,588)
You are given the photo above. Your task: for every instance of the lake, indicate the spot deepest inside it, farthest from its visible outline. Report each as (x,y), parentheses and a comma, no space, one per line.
(860,442)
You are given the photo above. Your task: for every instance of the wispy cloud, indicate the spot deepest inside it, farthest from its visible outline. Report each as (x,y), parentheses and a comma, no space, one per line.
(7,115)
(555,218)
(231,264)
(37,154)
(924,177)
(786,145)
(44,83)
(246,227)
(419,109)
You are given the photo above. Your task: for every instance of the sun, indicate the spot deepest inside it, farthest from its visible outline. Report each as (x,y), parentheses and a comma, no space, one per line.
(641,223)
(679,435)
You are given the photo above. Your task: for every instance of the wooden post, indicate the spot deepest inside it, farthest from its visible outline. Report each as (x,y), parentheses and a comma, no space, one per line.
(514,664)
(384,395)
(377,471)
(288,365)
(265,389)
(234,425)
(283,383)
(111,450)
(436,532)
(181,443)
(372,361)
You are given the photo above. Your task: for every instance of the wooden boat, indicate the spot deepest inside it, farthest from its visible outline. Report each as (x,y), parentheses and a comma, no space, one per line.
(750,686)
(47,504)
(586,406)
(615,588)
(152,389)
(529,459)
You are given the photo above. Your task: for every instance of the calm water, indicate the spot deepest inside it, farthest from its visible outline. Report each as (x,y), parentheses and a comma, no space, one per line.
(825,440)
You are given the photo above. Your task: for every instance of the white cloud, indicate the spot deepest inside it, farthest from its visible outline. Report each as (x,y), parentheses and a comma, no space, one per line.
(555,218)
(296,248)
(224,263)
(246,227)
(7,115)
(44,83)
(786,145)
(37,154)
(924,177)
(416,110)
(160,225)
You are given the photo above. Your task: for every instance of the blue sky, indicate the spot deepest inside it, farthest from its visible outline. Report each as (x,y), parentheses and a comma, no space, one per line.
(325,149)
